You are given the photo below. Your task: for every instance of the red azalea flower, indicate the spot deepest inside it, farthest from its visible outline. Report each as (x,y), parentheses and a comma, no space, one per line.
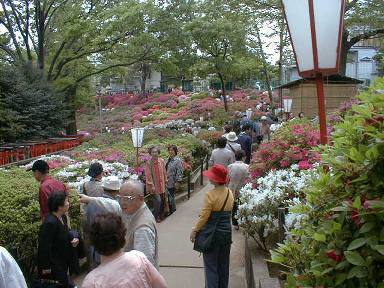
(332,254)
(356,217)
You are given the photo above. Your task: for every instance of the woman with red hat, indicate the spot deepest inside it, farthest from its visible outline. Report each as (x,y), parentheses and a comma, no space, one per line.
(215,219)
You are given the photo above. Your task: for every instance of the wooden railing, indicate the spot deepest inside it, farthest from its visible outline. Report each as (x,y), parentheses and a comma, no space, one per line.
(15,152)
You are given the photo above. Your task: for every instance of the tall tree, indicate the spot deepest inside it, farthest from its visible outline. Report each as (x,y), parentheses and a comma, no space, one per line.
(217,36)
(72,40)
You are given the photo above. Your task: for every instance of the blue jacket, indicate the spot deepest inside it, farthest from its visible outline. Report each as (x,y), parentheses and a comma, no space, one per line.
(246,145)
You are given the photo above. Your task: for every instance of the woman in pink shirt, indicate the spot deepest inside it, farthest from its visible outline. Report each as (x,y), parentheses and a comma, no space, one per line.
(118,269)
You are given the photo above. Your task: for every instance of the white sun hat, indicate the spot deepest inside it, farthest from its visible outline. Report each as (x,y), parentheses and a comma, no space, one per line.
(111,183)
(231,137)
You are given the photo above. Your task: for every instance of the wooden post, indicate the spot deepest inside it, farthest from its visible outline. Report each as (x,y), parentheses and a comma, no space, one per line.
(281,219)
(189,184)
(201,173)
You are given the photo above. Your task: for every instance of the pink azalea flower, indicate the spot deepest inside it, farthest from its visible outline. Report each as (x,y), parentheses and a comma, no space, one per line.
(304,165)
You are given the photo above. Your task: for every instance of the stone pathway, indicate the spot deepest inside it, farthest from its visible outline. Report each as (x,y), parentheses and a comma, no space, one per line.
(181,266)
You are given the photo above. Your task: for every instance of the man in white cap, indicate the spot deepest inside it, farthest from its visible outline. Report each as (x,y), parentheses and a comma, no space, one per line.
(265,129)
(232,144)
(139,221)
(111,186)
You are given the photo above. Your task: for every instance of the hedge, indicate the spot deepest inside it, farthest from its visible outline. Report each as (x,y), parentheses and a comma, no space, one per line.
(20,214)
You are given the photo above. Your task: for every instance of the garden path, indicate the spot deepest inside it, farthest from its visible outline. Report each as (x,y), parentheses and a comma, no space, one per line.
(181,266)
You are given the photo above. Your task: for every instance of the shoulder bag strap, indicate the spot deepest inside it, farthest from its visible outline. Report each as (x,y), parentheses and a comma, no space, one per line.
(225,202)
(222,208)
(232,148)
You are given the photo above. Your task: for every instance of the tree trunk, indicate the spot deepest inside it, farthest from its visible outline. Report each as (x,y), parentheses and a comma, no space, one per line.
(70,94)
(145,68)
(265,66)
(223,91)
(40,19)
(344,53)
(281,50)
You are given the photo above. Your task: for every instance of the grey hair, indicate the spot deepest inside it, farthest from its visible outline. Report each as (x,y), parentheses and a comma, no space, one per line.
(137,184)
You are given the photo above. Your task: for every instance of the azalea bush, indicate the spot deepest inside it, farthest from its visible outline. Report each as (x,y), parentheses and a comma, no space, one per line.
(210,137)
(341,240)
(292,143)
(75,175)
(119,148)
(259,202)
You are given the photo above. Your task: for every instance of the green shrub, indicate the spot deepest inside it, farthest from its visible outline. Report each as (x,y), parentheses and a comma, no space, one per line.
(181,105)
(341,239)
(20,214)
(200,95)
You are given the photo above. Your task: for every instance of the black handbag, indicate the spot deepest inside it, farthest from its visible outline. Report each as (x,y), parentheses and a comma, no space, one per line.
(204,238)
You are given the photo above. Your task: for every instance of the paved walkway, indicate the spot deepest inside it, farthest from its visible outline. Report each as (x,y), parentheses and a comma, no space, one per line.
(181,266)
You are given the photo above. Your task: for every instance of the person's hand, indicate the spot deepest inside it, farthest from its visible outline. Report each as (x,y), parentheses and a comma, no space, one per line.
(193,236)
(177,185)
(85,199)
(153,189)
(75,242)
(46,271)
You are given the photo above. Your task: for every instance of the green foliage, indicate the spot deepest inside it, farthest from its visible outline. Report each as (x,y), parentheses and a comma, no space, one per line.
(30,106)
(341,239)
(200,95)
(20,214)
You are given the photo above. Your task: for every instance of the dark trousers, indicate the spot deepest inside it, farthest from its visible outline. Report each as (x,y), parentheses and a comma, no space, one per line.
(171,200)
(216,266)
(235,222)
(157,206)
(63,278)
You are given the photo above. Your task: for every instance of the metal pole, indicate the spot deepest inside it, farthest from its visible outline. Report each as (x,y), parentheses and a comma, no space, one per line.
(101,126)
(321,104)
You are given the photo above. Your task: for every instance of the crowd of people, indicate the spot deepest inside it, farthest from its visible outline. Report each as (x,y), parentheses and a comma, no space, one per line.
(119,233)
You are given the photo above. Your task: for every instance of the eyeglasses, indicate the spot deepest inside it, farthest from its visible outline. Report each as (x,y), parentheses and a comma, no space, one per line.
(127,198)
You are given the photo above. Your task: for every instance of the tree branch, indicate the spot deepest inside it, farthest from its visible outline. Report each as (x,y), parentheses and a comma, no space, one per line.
(64,62)
(57,54)
(7,50)
(9,25)
(49,17)
(363,36)
(142,58)
(18,18)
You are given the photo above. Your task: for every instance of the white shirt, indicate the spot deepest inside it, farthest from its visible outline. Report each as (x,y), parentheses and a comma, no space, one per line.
(235,147)
(10,273)
(238,174)
(222,156)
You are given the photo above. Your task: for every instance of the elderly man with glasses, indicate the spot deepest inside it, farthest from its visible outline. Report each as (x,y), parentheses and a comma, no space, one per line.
(138,219)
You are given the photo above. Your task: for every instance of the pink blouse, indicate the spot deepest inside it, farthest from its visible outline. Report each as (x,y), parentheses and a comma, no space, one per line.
(126,270)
